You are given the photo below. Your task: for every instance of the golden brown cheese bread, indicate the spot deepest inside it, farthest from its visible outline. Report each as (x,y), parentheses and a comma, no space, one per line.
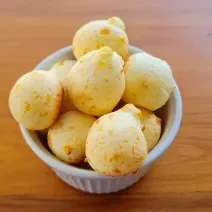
(96,82)
(61,69)
(152,127)
(149,81)
(35,100)
(115,144)
(99,33)
(67,136)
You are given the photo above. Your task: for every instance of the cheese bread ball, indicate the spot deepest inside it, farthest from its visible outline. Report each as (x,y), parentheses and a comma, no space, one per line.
(97,34)
(35,100)
(149,81)
(67,136)
(115,144)
(96,82)
(61,70)
(152,127)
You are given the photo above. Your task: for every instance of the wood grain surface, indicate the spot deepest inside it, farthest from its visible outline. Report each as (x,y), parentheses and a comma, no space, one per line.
(177,31)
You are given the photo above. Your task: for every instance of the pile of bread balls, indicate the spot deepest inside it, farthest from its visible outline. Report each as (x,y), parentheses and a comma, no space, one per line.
(100,107)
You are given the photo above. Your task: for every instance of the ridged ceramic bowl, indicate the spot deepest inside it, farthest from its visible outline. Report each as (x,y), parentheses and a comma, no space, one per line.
(91,181)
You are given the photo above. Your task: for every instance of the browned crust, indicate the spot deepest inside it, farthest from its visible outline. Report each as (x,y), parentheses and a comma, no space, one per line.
(117,171)
(105,31)
(158,120)
(67,149)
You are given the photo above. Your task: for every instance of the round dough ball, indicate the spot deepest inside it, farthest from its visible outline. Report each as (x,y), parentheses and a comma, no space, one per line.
(35,100)
(149,81)
(97,34)
(61,70)
(96,83)
(117,22)
(152,127)
(115,144)
(67,136)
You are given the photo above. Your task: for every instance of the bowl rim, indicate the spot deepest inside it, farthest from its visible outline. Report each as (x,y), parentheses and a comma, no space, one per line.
(68,169)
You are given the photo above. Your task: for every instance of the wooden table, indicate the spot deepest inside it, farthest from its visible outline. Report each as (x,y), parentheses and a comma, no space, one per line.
(178,31)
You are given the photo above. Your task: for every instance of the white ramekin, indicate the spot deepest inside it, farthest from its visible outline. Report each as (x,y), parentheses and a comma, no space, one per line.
(90,181)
